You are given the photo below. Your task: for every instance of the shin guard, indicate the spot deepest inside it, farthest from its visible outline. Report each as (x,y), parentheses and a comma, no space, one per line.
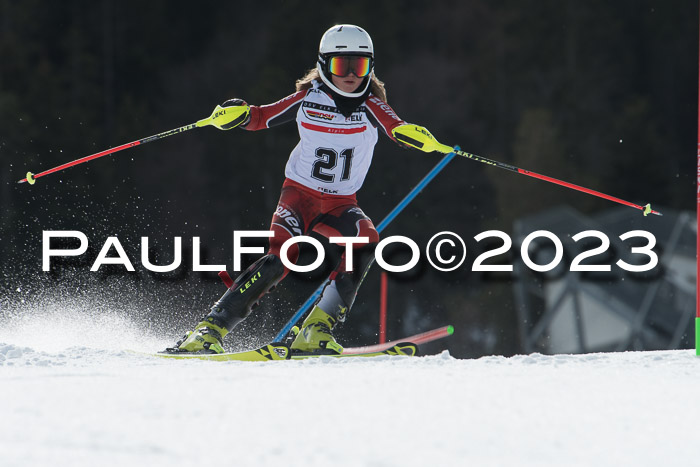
(236,304)
(341,289)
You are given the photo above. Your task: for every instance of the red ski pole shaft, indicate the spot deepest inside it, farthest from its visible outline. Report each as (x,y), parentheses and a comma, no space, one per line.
(223,118)
(420,138)
(645,209)
(31,177)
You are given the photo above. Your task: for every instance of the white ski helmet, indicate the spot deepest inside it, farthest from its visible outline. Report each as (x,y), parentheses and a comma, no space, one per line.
(345,39)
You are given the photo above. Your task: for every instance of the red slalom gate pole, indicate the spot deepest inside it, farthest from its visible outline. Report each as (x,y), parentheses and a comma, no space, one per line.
(697,235)
(382,307)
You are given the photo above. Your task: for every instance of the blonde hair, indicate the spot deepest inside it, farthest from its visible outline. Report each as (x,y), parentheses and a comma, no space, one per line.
(376,86)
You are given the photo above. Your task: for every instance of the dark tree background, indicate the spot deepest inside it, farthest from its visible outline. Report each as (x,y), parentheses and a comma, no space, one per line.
(599,93)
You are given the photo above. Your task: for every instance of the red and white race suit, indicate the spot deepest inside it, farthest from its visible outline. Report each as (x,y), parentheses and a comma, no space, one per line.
(334,152)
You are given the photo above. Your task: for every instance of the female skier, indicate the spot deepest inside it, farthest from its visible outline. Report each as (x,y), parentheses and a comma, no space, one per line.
(338,107)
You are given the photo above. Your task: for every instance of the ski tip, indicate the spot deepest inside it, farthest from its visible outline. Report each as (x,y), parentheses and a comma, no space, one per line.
(450,330)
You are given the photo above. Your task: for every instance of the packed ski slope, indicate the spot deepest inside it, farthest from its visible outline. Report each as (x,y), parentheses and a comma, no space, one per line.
(97,404)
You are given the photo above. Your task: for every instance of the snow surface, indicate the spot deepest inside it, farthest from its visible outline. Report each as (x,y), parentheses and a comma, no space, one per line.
(93,404)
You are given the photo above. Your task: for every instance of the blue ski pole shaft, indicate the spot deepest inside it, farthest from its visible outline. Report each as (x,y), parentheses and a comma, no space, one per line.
(382,225)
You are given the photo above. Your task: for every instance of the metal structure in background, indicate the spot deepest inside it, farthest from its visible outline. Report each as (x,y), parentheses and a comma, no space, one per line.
(579,312)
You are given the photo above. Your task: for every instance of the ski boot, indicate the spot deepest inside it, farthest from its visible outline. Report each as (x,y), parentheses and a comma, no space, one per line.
(233,307)
(206,338)
(315,334)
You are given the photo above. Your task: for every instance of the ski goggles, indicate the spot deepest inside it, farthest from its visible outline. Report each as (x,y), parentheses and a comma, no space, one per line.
(342,65)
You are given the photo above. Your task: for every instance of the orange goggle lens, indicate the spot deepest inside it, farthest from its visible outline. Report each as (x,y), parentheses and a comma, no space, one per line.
(343,65)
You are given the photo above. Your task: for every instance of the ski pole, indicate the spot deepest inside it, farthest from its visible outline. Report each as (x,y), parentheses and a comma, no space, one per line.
(222,118)
(382,225)
(420,138)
